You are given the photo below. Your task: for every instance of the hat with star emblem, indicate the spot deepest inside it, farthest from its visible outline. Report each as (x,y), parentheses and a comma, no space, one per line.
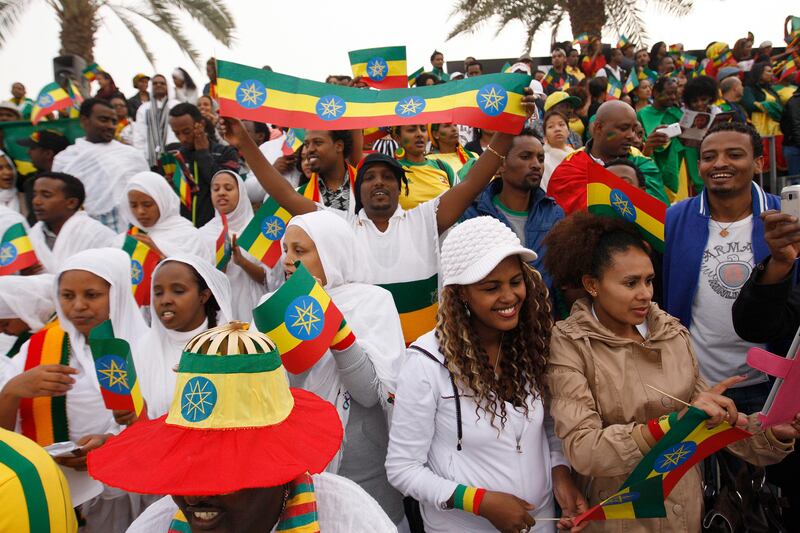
(234,424)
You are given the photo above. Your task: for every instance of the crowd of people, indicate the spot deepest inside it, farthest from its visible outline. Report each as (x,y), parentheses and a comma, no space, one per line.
(513,355)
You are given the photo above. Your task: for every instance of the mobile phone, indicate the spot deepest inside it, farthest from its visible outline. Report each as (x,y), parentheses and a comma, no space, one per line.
(61,448)
(790,200)
(673,130)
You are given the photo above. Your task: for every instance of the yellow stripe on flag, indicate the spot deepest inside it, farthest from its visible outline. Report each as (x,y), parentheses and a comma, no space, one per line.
(261,243)
(307,103)
(396,68)
(619,510)
(22,244)
(417,323)
(599,193)
(281,336)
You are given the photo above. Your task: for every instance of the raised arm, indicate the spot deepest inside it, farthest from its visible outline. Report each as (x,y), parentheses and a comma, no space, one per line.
(269,178)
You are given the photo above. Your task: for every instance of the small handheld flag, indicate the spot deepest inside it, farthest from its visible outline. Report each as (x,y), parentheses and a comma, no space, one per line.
(182,184)
(53,97)
(294,140)
(381,68)
(262,236)
(644,499)
(16,250)
(143,262)
(491,101)
(614,89)
(412,78)
(115,370)
(311,189)
(90,72)
(623,41)
(223,248)
(303,321)
(582,38)
(632,83)
(610,195)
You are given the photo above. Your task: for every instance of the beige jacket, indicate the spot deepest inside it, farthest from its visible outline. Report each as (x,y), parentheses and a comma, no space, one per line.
(601,404)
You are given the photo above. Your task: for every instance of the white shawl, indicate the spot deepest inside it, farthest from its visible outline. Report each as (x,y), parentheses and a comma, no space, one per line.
(244,289)
(10,197)
(104,169)
(163,347)
(29,298)
(369,311)
(79,232)
(172,234)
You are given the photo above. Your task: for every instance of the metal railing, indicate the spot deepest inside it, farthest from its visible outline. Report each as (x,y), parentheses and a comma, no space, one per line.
(776,183)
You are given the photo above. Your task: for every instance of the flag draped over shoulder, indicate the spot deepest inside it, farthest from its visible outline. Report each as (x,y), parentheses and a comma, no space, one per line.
(302,320)
(610,195)
(381,68)
(116,373)
(16,250)
(416,303)
(492,101)
(686,442)
(262,236)
(143,262)
(53,97)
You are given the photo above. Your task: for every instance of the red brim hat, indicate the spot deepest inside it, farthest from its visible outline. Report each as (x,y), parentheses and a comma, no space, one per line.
(153,457)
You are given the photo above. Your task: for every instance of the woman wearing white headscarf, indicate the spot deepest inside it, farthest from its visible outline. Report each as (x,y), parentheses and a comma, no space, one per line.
(249,277)
(26,304)
(151,205)
(9,195)
(359,380)
(183,303)
(94,285)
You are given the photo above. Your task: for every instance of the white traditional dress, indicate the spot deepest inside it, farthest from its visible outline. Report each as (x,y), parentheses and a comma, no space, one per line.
(79,232)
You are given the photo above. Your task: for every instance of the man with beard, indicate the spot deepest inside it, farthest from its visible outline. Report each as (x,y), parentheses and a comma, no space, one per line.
(614,135)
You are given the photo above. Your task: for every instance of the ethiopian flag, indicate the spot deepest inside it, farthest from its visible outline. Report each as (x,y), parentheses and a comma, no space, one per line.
(113,363)
(492,101)
(262,236)
(632,83)
(412,78)
(223,247)
(16,250)
(44,418)
(12,132)
(381,68)
(302,320)
(53,97)
(614,89)
(90,72)
(143,262)
(610,195)
(311,189)
(582,38)
(416,303)
(176,174)
(644,499)
(294,140)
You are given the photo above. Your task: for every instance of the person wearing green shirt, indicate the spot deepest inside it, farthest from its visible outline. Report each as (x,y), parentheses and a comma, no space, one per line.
(18,98)
(667,153)
(437,61)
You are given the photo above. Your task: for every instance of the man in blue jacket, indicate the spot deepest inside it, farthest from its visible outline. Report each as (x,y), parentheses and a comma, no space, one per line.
(713,242)
(517,200)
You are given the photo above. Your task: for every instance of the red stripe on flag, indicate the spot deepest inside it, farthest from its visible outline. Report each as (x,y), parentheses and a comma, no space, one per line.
(655,429)
(642,200)
(273,254)
(22,261)
(121,402)
(389,82)
(295,360)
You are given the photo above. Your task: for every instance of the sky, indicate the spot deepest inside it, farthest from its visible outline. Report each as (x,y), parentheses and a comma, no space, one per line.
(310,39)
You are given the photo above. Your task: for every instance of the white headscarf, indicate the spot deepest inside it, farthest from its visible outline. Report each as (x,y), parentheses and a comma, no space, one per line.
(10,197)
(163,347)
(85,409)
(9,217)
(369,310)
(29,298)
(172,233)
(245,290)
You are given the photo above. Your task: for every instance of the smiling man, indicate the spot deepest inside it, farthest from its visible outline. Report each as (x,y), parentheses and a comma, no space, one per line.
(103,164)
(614,137)
(516,199)
(712,243)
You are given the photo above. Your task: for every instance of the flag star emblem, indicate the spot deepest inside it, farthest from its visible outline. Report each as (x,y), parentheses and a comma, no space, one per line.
(273,228)
(8,252)
(304,318)
(377,69)
(492,99)
(674,456)
(251,94)
(45,100)
(622,205)
(622,498)
(112,372)
(198,398)
(137,272)
(331,107)
(410,106)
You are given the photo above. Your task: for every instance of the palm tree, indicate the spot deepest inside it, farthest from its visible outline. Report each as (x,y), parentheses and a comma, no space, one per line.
(589,16)
(80,19)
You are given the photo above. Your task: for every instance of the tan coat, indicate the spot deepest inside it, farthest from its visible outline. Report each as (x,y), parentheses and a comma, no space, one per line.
(601,404)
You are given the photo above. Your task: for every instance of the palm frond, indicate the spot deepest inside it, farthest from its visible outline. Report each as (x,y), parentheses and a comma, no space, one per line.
(213,15)
(10,13)
(124,14)
(532,13)
(161,17)
(626,17)
(679,8)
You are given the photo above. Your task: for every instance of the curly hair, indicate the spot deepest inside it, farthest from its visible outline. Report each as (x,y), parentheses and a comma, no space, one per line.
(526,349)
(583,243)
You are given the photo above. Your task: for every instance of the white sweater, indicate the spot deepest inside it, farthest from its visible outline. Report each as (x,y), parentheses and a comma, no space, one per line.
(423,461)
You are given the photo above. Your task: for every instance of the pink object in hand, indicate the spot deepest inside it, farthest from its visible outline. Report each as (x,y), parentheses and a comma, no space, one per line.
(784,401)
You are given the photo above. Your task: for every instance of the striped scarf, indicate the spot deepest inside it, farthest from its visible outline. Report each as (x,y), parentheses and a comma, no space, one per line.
(156,118)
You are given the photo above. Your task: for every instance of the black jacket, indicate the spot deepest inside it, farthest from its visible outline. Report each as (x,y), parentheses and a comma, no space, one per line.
(209,162)
(790,121)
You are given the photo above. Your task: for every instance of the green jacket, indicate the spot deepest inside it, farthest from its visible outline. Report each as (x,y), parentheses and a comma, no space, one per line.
(669,157)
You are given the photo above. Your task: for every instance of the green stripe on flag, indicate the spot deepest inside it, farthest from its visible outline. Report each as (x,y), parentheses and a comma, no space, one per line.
(192,363)
(650,503)
(253,229)
(608,211)
(388,53)
(270,314)
(129,246)
(32,488)
(102,331)
(14,231)
(413,295)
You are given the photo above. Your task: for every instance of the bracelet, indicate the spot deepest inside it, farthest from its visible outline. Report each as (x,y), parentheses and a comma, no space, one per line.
(468,498)
(659,427)
(495,152)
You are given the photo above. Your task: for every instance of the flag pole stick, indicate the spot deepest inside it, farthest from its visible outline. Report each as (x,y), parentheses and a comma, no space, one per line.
(668,395)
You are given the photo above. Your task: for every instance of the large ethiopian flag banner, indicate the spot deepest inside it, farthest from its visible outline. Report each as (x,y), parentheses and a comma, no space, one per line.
(492,101)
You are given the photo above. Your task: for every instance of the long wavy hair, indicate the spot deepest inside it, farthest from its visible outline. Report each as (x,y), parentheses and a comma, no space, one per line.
(525,350)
